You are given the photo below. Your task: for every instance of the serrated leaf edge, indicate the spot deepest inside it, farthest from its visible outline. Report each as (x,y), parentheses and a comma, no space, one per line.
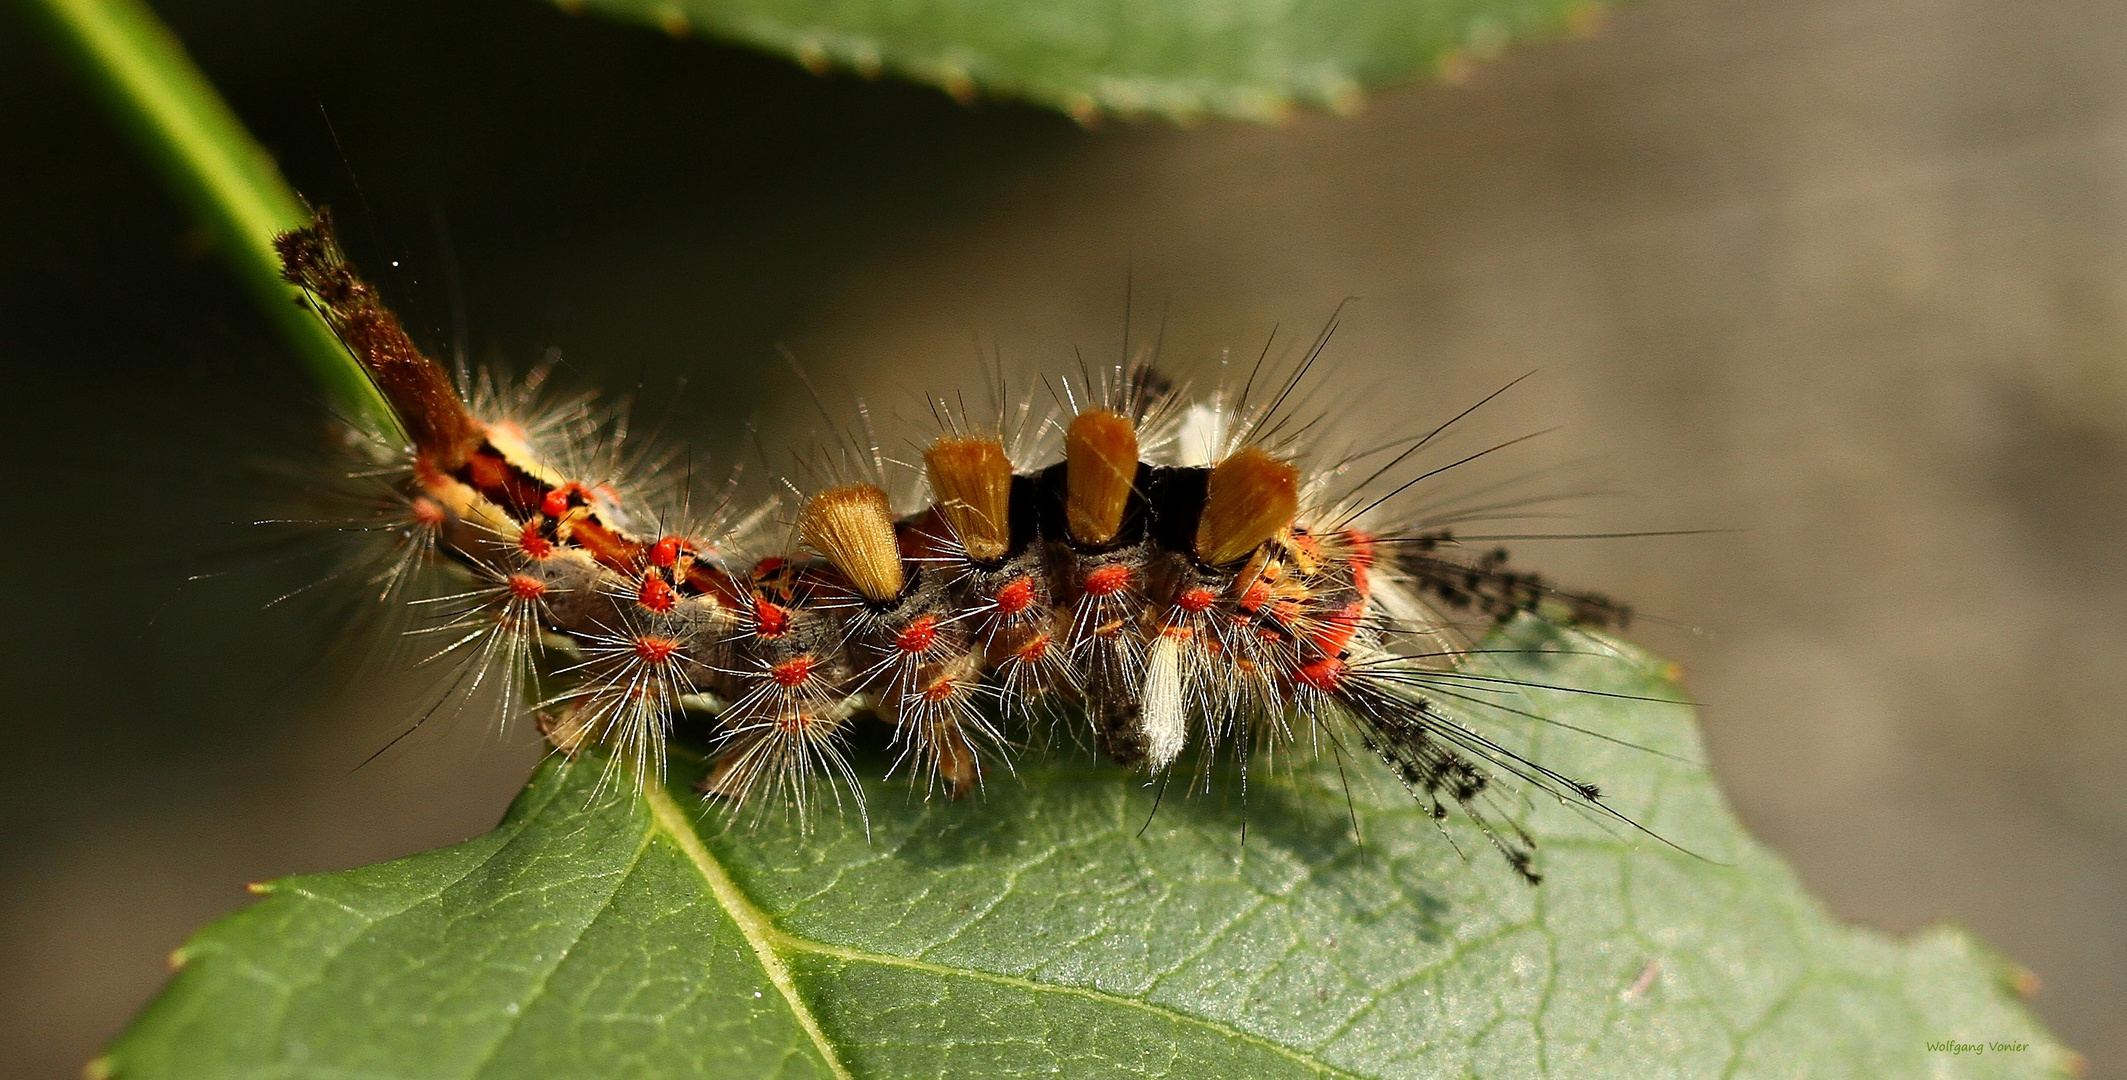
(965,73)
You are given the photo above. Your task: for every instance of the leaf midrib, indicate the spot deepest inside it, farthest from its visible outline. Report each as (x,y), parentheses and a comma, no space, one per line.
(761,935)
(769,943)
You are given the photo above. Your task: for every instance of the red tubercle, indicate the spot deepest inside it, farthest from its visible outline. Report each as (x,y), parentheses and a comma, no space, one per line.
(1032,652)
(941,690)
(532,544)
(427,513)
(768,566)
(525,587)
(1255,596)
(655,650)
(1336,631)
(656,594)
(793,672)
(1108,580)
(918,636)
(665,552)
(770,620)
(556,501)
(1196,599)
(1326,674)
(1177,633)
(1015,596)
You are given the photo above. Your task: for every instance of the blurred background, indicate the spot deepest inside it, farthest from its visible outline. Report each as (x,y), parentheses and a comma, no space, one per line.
(1846,276)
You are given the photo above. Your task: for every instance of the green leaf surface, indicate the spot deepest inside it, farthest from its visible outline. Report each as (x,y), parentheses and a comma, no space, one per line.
(1044,929)
(1178,58)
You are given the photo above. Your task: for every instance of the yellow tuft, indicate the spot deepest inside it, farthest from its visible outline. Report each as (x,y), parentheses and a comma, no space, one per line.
(1101,455)
(971,485)
(853,527)
(1250,497)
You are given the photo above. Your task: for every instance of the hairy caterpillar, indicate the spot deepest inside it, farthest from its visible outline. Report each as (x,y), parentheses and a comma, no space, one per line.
(1173,580)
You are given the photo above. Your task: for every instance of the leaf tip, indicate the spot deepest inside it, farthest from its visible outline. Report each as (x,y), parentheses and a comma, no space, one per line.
(177,959)
(2023,981)
(259,888)
(102,1068)
(812,56)
(958,84)
(1083,109)
(674,23)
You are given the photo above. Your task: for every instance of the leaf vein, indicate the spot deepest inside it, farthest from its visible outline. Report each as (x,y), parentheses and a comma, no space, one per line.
(287,999)
(760,933)
(1174,1016)
(487,1056)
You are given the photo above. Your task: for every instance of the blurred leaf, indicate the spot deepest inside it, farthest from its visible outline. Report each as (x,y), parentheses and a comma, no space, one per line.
(212,165)
(1177,58)
(1044,929)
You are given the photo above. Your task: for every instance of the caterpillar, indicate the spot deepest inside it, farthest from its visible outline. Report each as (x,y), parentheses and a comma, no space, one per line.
(1171,578)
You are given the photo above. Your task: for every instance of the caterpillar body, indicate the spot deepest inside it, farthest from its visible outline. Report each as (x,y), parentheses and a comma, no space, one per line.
(1172,580)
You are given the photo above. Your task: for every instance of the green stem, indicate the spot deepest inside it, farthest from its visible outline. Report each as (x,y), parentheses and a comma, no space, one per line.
(213,166)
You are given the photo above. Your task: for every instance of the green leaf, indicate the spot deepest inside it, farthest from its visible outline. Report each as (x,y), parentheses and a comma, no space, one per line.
(212,165)
(1044,929)
(1178,58)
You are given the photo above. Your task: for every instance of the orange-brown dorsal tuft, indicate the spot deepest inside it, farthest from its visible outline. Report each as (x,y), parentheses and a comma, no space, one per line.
(1251,496)
(854,528)
(971,486)
(1101,451)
